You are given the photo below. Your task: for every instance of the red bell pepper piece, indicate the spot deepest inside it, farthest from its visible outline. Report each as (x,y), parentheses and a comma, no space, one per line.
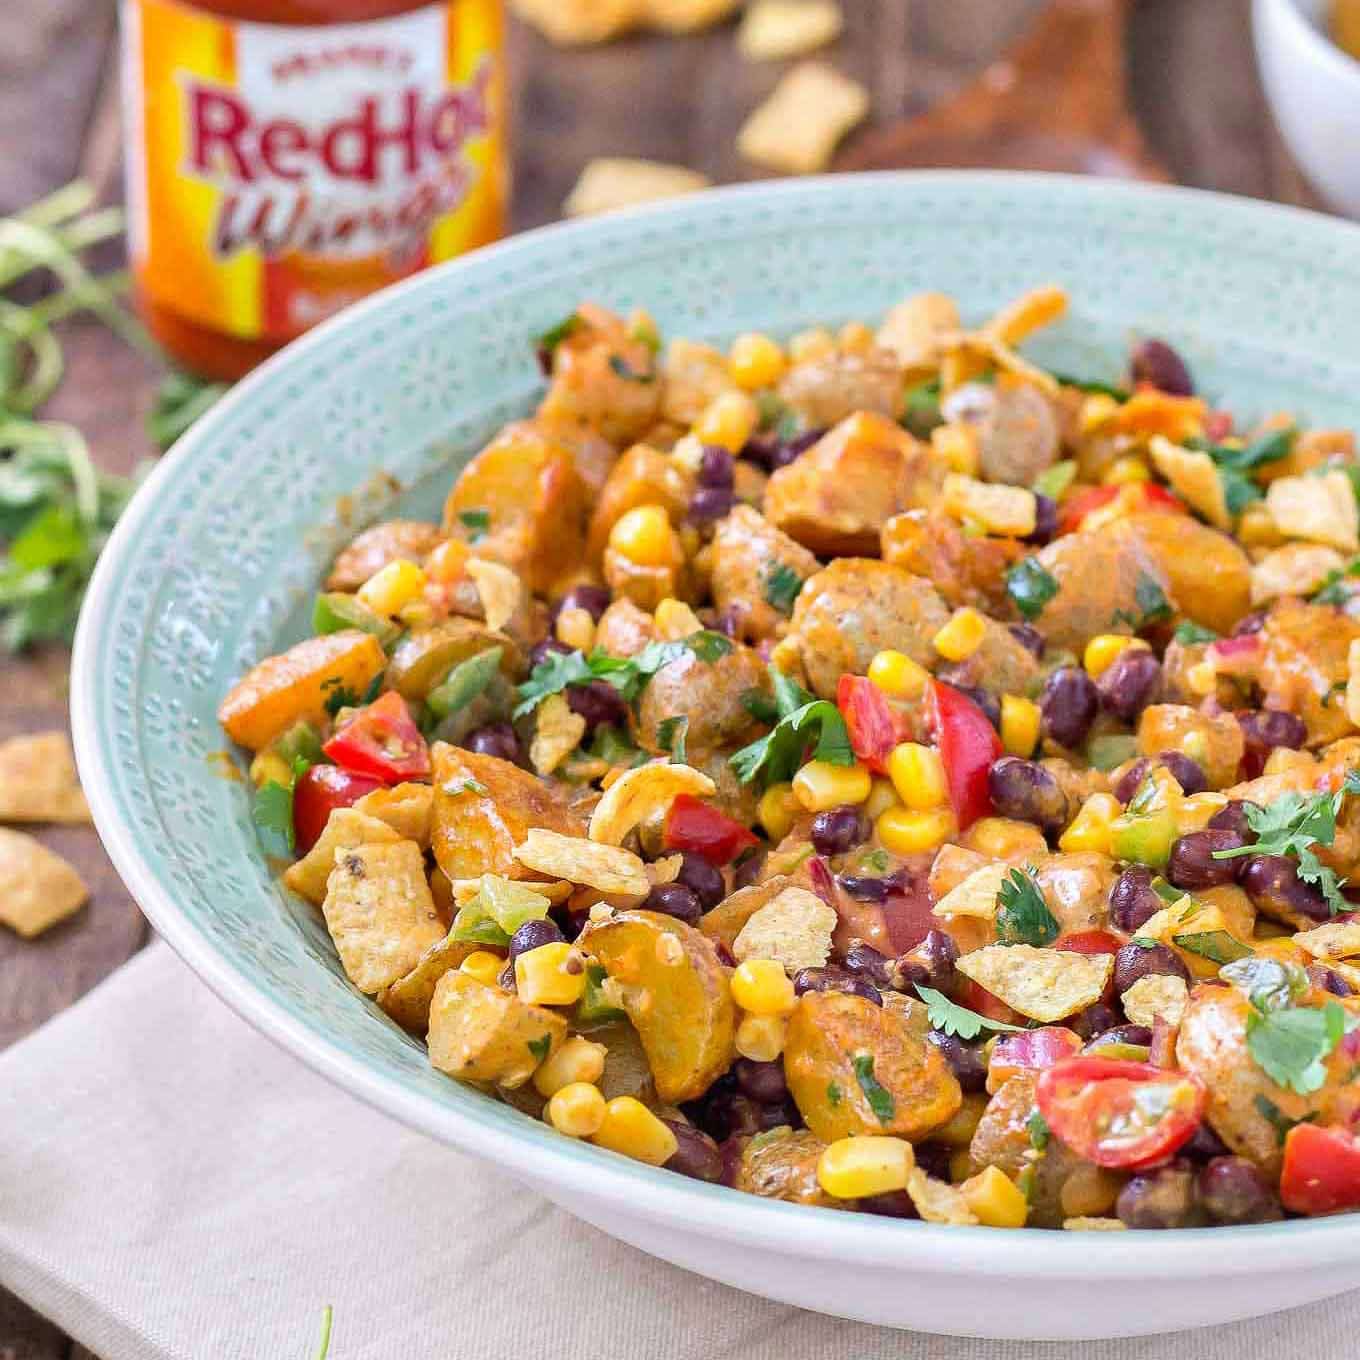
(317,793)
(875,726)
(968,746)
(1321,1170)
(1035,1050)
(695,826)
(1088,942)
(979,999)
(381,740)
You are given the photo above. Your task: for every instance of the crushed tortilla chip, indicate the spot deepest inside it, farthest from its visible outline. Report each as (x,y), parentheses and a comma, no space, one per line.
(37,888)
(1295,569)
(666,869)
(1154,996)
(1009,511)
(1030,312)
(1088,1223)
(501,591)
(938,1201)
(605,867)
(346,828)
(647,791)
(797,128)
(1336,940)
(612,182)
(777,30)
(407,808)
(976,895)
(1320,509)
(38,780)
(794,928)
(915,328)
(1043,984)
(557,733)
(1193,476)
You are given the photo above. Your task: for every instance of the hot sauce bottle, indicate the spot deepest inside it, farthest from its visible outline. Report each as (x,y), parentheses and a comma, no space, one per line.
(287,157)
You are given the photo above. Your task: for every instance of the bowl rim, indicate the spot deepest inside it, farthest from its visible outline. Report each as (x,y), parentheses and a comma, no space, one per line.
(621,1184)
(1318,43)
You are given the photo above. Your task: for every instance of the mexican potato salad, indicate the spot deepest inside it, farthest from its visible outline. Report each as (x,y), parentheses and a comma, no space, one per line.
(869,770)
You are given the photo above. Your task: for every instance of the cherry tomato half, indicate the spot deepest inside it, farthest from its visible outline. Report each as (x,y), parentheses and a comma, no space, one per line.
(1120,1114)
(1321,1170)
(979,999)
(317,793)
(1146,496)
(695,826)
(875,726)
(381,740)
(968,746)
(1033,1051)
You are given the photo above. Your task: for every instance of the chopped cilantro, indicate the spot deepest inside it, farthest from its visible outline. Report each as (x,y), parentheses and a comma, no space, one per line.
(1144,942)
(950,1018)
(1022,915)
(833,1094)
(781,586)
(1239,491)
(619,365)
(1151,600)
(1191,634)
(476,521)
(1039,1132)
(1094,386)
(921,407)
(670,735)
(1269,447)
(1276,1117)
(340,696)
(1030,586)
(454,787)
(539,1047)
(546,344)
(759,705)
(879,1097)
(1215,945)
(1269,983)
(1290,1044)
(1334,588)
(778,754)
(273,814)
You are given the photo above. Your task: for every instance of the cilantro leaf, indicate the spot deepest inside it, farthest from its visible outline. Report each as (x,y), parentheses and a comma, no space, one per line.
(1239,491)
(759,705)
(1290,1045)
(1030,586)
(477,521)
(539,1047)
(1215,945)
(1152,601)
(1095,386)
(1269,447)
(1276,1117)
(950,1018)
(1022,916)
(879,1097)
(779,754)
(781,586)
(1039,1132)
(670,735)
(545,346)
(1334,588)
(340,696)
(272,814)
(833,1094)
(1189,634)
(619,365)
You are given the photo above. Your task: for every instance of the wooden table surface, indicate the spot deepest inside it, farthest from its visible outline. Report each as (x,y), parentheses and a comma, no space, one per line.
(1194,88)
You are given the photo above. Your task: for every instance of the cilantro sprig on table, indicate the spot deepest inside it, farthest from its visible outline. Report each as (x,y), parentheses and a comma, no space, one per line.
(777,755)
(950,1018)
(1022,915)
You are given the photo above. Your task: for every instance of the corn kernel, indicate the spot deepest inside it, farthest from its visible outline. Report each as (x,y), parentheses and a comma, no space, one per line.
(631,1128)
(1126,471)
(675,620)
(957,445)
(1256,527)
(1020,723)
(810,345)
(906,832)
(483,965)
(392,586)
(644,536)
(855,338)
(1201,679)
(786,656)
(918,775)
(881,797)
(1103,651)
(577,1109)
(576,629)
(961,636)
(958,1131)
(577,1061)
(995,1199)
(851,1168)
(551,975)
(776,810)
(755,361)
(1090,828)
(269,765)
(1195,745)
(761,1037)
(728,420)
(819,785)
(446,562)
(1097,411)
(898,676)
(762,987)
(1004,838)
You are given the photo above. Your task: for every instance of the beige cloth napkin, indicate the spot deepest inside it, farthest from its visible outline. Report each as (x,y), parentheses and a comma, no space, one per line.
(175,1187)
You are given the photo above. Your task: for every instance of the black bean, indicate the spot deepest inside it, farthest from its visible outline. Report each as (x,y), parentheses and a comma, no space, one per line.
(1133,900)
(833,979)
(780,1113)
(1159,1199)
(495,739)
(715,467)
(1269,728)
(593,599)
(725,1112)
(1204,1145)
(1233,818)
(1154,361)
(865,960)
(1045,519)
(1132,779)
(838,829)
(1232,1190)
(1249,624)
(599,703)
(1192,864)
(545,648)
(1130,683)
(1186,772)
(1029,637)
(696,1154)
(749,868)
(532,935)
(1274,886)
(965,1060)
(1068,705)
(984,699)
(790,449)
(1097,1018)
(1329,980)
(934,1158)
(889,1204)
(762,1081)
(1024,790)
(1140,1036)
(929,964)
(1133,962)
(674,899)
(709,503)
(866,887)
(703,879)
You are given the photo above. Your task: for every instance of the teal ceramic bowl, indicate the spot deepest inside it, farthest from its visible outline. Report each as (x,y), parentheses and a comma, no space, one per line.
(215,563)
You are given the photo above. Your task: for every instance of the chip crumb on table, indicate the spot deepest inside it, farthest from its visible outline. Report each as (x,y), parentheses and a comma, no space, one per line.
(797,129)
(612,182)
(37,887)
(38,781)
(776,30)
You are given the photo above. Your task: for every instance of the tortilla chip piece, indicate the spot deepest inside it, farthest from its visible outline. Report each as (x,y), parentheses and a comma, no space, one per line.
(796,130)
(380,913)
(407,1000)
(639,794)
(938,1201)
(577,23)
(1295,569)
(1337,940)
(976,895)
(499,589)
(407,808)
(916,329)
(1320,509)
(794,928)
(37,888)
(557,733)
(38,780)
(612,182)
(1193,476)
(345,829)
(1043,984)
(686,16)
(1087,1223)
(1005,510)
(776,30)
(604,867)
(1158,995)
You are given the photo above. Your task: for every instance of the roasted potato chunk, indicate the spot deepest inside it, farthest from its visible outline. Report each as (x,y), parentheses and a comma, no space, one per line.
(856,1068)
(710,693)
(676,995)
(522,502)
(966,569)
(643,476)
(295,685)
(624,629)
(425,656)
(408,999)
(756,572)
(476,832)
(782,1164)
(825,391)
(481,1033)
(1015,424)
(395,540)
(1213,741)
(380,913)
(1305,666)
